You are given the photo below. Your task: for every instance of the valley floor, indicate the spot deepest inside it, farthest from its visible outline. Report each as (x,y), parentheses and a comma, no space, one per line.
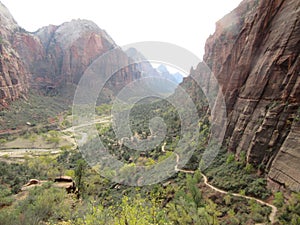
(186,198)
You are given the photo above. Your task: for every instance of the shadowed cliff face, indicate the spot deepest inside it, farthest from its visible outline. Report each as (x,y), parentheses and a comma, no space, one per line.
(13,76)
(254,54)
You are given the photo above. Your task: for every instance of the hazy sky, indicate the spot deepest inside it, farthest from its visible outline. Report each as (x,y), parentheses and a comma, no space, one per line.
(185,23)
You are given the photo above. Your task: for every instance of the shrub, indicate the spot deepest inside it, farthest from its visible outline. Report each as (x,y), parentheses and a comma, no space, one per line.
(230,158)
(5,197)
(278,199)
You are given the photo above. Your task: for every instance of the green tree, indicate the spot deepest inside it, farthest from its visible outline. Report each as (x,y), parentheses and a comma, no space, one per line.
(291,211)
(278,199)
(43,204)
(212,211)
(227,199)
(79,175)
(194,193)
(230,158)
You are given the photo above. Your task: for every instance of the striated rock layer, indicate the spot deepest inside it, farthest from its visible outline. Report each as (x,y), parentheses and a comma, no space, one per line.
(254,54)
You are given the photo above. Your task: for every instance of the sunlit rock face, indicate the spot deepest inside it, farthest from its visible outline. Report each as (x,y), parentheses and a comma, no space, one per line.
(254,54)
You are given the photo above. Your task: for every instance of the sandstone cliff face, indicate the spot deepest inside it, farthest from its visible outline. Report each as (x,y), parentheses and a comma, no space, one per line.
(254,54)
(60,54)
(13,73)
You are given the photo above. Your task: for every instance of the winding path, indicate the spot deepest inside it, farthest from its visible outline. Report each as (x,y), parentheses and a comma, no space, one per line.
(107,119)
(272,216)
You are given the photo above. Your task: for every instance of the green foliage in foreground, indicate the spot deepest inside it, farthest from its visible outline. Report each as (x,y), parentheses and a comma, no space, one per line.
(103,202)
(290,212)
(237,176)
(5,196)
(183,199)
(42,204)
(14,175)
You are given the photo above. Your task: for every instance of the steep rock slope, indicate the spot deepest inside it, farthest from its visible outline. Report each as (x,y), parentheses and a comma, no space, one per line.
(254,54)
(13,73)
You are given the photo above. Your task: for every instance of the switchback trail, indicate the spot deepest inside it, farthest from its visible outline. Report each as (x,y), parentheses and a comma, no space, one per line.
(273,207)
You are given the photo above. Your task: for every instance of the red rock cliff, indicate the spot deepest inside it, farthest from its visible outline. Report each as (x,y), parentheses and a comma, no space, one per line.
(254,54)
(13,73)
(58,55)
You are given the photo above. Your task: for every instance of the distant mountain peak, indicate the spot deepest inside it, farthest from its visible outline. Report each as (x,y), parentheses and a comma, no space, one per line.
(71,31)
(147,68)
(176,77)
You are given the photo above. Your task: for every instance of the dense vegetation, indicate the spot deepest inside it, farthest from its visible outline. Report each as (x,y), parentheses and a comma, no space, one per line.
(237,176)
(182,199)
(140,116)
(36,110)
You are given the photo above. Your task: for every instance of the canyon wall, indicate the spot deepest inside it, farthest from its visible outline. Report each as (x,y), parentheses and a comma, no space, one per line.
(254,54)
(13,72)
